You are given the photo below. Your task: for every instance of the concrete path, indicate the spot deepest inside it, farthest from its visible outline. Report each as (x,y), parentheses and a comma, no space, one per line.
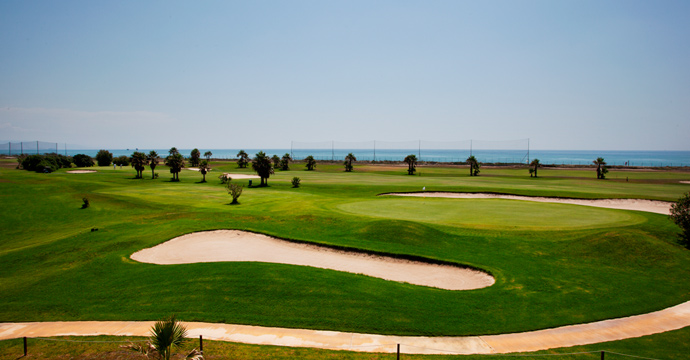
(672,318)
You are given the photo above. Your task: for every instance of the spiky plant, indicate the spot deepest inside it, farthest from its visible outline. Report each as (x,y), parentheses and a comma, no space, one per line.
(166,336)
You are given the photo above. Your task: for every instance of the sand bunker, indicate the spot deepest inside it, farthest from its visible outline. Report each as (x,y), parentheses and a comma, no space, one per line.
(80,171)
(684,182)
(241,176)
(659,207)
(234,245)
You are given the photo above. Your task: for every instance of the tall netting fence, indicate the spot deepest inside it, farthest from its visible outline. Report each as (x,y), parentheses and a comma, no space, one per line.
(509,152)
(29,147)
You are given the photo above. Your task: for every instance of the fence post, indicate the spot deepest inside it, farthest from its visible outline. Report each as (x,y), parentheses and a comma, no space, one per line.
(398,351)
(25,347)
(201,343)
(602,355)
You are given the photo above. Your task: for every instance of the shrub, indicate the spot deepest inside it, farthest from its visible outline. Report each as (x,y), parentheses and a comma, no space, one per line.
(235,190)
(29,162)
(85,204)
(82,160)
(680,214)
(45,166)
(295,182)
(224,178)
(104,158)
(121,160)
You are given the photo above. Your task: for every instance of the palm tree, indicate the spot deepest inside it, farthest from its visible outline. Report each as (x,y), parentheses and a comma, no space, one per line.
(474,165)
(208,155)
(276,161)
(139,162)
(535,164)
(173,150)
(176,163)
(310,162)
(285,162)
(153,161)
(601,168)
(194,157)
(203,169)
(243,159)
(263,167)
(348,162)
(411,161)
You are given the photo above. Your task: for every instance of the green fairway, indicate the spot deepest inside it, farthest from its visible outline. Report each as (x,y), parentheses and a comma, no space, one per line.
(554,264)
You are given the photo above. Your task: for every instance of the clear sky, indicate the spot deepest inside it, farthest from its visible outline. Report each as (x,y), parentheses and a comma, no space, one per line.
(571,75)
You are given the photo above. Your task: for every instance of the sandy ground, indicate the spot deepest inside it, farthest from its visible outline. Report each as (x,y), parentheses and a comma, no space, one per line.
(672,318)
(684,182)
(80,171)
(659,207)
(241,176)
(234,245)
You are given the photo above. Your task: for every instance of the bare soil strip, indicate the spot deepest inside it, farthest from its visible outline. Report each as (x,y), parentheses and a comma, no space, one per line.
(234,245)
(672,318)
(654,206)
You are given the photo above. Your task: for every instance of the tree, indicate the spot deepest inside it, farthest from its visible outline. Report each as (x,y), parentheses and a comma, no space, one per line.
(276,161)
(285,162)
(194,157)
(348,162)
(235,190)
(680,214)
(204,169)
(139,162)
(104,158)
(153,161)
(175,162)
(82,160)
(411,161)
(296,182)
(208,155)
(243,159)
(534,164)
(310,162)
(121,160)
(263,167)
(474,165)
(601,168)
(166,336)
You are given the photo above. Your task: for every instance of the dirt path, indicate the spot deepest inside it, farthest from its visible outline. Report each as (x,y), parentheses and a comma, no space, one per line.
(672,318)
(654,206)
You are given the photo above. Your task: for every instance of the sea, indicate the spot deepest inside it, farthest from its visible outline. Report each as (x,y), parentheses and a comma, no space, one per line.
(550,157)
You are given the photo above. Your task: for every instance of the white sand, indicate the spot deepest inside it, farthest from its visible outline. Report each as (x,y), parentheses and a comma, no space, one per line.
(241,176)
(684,182)
(234,245)
(80,171)
(659,207)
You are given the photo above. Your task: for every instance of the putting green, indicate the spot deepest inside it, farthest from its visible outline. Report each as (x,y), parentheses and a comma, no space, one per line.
(494,213)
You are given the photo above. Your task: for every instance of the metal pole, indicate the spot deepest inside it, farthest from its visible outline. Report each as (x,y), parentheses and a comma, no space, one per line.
(470,147)
(398,352)
(374,150)
(36,147)
(201,343)
(21,145)
(10,153)
(528,150)
(602,355)
(56,148)
(25,347)
(420,150)
(292,154)
(332,150)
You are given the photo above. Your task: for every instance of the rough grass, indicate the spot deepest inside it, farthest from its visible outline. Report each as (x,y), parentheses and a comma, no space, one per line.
(596,264)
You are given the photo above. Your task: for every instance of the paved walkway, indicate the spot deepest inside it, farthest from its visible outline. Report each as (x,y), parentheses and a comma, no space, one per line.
(672,318)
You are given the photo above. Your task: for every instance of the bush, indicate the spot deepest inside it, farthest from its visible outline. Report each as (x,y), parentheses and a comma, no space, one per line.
(121,160)
(104,158)
(680,214)
(29,162)
(295,182)
(235,190)
(85,204)
(82,160)
(45,166)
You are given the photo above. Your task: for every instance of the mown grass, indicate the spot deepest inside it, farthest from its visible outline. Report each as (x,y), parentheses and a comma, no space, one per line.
(554,264)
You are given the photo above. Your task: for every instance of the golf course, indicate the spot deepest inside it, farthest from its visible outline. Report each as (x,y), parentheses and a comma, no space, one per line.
(552,264)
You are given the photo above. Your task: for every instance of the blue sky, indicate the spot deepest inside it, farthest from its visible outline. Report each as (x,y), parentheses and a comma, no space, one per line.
(587,75)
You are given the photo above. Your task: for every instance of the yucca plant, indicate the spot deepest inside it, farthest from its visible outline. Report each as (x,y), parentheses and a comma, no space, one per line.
(166,336)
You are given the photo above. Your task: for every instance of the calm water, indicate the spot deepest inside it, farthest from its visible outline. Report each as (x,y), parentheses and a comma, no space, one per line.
(559,157)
